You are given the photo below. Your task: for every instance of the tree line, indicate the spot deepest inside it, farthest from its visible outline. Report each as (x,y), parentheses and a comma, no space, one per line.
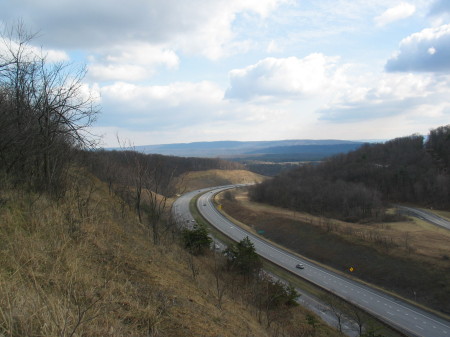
(358,185)
(117,166)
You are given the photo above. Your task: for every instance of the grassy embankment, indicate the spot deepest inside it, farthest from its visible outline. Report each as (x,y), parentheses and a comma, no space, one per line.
(79,266)
(409,258)
(305,286)
(201,179)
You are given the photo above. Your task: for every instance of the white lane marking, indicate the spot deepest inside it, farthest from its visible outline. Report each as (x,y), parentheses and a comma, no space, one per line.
(369,290)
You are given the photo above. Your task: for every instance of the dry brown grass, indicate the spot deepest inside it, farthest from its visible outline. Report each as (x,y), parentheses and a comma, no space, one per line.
(414,237)
(409,258)
(442,214)
(201,179)
(78,266)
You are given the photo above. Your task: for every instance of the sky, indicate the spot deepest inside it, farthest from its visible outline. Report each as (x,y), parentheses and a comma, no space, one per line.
(180,71)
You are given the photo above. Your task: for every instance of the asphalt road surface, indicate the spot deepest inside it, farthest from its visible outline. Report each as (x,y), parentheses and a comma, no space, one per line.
(403,316)
(424,215)
(183,216)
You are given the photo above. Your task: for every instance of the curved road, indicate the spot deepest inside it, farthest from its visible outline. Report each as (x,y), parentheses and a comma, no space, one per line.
(424,215)
(401,315)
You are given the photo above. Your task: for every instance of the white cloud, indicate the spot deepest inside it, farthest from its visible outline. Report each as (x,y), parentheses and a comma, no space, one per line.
(399,12)
(50,55)
(160,106)
(390,95)
(196,26)
(116,72)
(168,40)
(274,47)
(55,55)
(186,112)
(428,50)
(143,54)
(282,77)
(131,62)
(214,37)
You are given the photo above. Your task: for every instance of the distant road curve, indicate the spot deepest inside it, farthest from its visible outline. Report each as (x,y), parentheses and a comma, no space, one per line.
(424,215)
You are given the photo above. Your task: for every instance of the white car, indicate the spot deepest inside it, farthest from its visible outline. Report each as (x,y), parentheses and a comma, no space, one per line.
(299,266)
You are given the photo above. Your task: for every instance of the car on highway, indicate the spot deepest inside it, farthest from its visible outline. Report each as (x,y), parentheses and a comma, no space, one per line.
(299,266)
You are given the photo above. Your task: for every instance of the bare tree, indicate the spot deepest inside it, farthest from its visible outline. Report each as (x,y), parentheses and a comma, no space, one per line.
(337,308)
(157,187)
(359,317)
(46,111)
(221,284)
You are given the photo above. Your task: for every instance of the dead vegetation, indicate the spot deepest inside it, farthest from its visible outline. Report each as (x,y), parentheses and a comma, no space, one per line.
(201,179)
(409,257)
(82,265)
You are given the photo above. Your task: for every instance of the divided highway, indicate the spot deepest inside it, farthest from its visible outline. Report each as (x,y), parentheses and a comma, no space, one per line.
(401,315)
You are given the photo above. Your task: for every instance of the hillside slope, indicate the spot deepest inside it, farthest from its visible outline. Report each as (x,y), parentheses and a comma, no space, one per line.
(201,179)
(358,185)
(238,148)
(82,265)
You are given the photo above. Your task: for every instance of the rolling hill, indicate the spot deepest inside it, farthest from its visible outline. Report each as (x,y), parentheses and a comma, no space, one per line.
(256,150)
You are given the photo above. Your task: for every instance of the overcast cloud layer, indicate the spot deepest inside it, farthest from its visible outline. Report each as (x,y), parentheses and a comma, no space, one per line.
(182,71)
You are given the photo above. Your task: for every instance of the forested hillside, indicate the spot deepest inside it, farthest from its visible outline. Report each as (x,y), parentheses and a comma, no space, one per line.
(120,167)
(356,186)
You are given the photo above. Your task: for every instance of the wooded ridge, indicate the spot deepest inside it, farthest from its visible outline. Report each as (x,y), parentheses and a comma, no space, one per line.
(357,186)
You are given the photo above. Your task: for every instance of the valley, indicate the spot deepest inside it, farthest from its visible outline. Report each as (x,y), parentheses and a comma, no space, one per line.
(409,257)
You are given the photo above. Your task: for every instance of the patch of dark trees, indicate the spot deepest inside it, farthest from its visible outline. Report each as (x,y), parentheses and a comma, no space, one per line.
(358,185)
(144,182)
(268,169)
(121,166)
(281,158)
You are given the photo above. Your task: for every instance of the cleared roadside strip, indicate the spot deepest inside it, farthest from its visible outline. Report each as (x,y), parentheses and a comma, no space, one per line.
(406,318)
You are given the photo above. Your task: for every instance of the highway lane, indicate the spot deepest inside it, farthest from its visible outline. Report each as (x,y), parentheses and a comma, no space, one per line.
(180,208)
(403,316)
(427,216)
(183,216)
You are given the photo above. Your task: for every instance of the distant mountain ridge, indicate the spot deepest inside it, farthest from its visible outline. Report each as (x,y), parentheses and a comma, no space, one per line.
(251,149)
